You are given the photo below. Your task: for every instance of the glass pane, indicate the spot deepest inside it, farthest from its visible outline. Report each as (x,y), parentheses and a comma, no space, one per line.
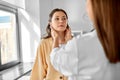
(8,37)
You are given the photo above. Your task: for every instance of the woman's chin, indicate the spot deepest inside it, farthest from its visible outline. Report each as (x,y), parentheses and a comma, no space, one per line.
(61,30)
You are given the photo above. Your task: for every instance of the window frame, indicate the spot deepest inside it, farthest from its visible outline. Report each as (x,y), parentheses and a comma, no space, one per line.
(12,9)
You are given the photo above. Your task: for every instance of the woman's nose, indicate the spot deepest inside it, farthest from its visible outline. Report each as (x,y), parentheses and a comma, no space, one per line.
(61,20)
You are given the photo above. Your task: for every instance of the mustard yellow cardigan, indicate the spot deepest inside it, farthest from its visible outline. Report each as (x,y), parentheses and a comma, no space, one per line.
(42,69)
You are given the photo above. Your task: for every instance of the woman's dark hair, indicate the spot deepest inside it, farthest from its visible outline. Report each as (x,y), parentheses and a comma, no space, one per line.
(48,30)
(106,19)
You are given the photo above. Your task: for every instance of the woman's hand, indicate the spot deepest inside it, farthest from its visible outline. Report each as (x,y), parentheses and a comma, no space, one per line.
(55,37)
(54,33)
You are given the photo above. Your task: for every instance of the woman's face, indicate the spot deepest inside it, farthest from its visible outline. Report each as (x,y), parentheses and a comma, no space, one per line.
(59,21)
(89,9)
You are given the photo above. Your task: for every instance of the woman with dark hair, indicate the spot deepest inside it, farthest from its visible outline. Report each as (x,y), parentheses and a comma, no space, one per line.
(78,60)
(42,68)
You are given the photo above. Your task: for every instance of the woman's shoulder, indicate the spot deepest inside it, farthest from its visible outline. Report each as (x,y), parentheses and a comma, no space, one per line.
(45,40)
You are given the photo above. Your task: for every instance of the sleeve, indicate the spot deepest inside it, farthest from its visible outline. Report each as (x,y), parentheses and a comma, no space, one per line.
(65,59)
(39,68)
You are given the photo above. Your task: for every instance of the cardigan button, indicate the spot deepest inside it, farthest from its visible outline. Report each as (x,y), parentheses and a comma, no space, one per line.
(61,77)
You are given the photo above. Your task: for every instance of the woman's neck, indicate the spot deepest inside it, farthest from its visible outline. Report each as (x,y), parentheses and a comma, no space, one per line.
(61,37)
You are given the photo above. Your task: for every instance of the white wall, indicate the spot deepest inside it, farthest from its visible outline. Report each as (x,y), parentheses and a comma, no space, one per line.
(18,3)
(30,36)
(30,29)
(45,8)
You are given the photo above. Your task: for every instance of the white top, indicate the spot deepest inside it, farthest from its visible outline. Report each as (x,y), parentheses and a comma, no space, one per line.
(82,58)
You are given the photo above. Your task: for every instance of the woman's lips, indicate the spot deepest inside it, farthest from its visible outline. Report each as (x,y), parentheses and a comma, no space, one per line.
(61,25)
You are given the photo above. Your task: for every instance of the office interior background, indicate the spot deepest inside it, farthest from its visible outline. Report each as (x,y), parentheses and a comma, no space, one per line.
(22,24)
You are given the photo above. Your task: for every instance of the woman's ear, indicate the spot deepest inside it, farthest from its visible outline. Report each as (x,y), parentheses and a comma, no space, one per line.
(50,24)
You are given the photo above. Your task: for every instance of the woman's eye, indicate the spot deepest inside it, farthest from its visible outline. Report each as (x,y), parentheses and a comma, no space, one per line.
(56,18)
(63,18)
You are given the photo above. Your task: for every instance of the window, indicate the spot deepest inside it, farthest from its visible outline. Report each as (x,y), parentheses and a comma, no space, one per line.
(9,36)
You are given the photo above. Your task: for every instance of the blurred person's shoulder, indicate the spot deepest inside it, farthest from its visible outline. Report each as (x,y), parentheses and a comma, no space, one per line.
(87,35)
(112,71)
